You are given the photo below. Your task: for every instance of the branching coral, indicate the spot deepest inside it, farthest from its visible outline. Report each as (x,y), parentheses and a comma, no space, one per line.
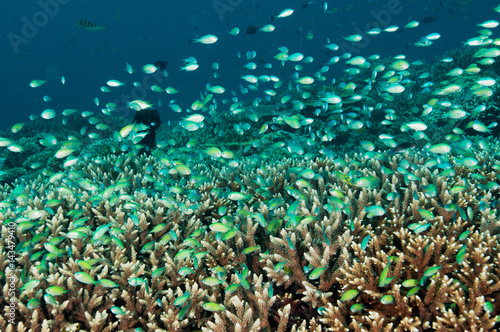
(388,243)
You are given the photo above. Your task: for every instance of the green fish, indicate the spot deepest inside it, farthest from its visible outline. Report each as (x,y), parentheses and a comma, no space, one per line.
(220,227)
(211,281)
(410,283)
(183,311)
(413,291)
(181,300)
(85,278)
(75,235)
(211,306)
(383,279)
(117,311)
(52,249)
(29,285)
(56,290)
(426,214)
(231,288)
(136,281)
(50,299)
(242,280)
(100,231)
(183,254)
(148,247)
(488,307)
(464,235)
(387,299)
(432,271)
(107,283)
(24,226)
(158,228)
(190,242)
(278,267)
(185,271)
(33,304)
(229,234)
(461,255)
(158,272)
(250,250)
(357,307)
(364,243)
(349,295)
(317,272)
(374,211)
(84,265)
(421,228)
(118,242)
(237,196)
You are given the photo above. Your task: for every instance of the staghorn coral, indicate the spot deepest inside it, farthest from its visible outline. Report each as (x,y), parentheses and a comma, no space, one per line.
(292,250)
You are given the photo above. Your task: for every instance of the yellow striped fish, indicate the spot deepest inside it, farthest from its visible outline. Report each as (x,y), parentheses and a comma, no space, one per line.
(89,26)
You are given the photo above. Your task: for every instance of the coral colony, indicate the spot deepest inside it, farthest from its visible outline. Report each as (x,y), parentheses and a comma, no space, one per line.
(370,203)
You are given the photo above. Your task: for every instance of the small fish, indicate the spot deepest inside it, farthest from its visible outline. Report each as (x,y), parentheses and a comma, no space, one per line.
(33,304)
(37,83)
(234,31)
(349,295)
(461,255)
(89,26)
(85,278)
(384,279)
(464,235)
(185,271)
(410,283)
(432,271)
(357,307)
(106,283)
(158,272)
(114,83)
(440,148)
(208,39)
(374,211)
(285,13)
(387,299)
(317,272)
(117,311)
(364,243)
(267,28)
(181,300)
(211,306)
(211,281)
(137,282)
(219,227)
(237,196)
(250,250)
(56,290)
(30,285)
(50,299)
(52,249)
(413,291)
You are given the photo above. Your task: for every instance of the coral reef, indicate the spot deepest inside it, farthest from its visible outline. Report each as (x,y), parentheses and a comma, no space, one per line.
(329,207)
(128,243)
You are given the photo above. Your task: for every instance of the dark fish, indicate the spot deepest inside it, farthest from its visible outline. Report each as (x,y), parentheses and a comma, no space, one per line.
(160,64)
(401,148)
(89,26)
(251,30)
(304,6)
(429,19)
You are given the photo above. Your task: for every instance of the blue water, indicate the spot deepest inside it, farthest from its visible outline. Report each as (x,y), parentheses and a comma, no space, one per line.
(147,31)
